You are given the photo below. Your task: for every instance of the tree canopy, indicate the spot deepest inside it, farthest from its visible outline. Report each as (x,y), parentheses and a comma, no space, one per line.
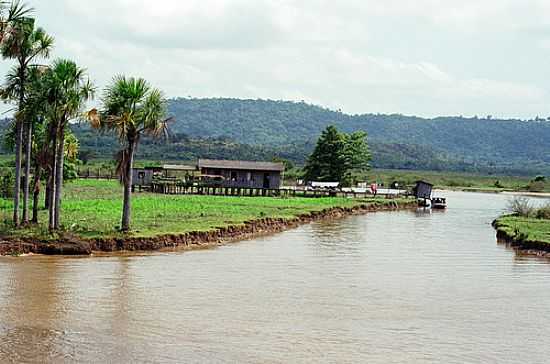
(337,155)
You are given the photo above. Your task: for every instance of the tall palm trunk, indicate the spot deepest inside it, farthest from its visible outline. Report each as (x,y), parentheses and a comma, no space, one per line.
(17,187)
(19,120)
(48,191)
(27,176)
(49,151)
(58,189)
(36,193)
(51,185)
(127,204)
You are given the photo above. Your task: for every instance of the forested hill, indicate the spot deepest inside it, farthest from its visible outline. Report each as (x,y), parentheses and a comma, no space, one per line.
(478,141)
(262,130)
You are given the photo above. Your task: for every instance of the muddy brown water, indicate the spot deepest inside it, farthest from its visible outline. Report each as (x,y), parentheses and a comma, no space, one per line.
(390,287)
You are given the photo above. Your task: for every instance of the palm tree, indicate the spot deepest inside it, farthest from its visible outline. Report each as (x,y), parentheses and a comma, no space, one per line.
(33,112)
(10,15)
(131,108)
(24,43)
(67,90)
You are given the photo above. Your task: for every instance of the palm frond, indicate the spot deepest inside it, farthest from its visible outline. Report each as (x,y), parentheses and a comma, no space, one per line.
(93,118)
(18,10)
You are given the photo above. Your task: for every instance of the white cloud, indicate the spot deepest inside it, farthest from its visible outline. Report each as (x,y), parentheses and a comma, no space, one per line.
(426,57)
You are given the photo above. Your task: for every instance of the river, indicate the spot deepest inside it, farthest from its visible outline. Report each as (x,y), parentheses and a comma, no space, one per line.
(389,287)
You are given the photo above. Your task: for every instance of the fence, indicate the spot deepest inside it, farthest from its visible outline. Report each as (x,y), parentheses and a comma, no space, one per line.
(97,173)
(186,189)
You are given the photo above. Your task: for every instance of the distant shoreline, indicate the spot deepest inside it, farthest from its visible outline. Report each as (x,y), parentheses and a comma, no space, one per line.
(504,192)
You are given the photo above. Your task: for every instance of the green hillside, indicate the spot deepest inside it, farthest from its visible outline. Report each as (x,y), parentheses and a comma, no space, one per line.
(263,130)
(488,144)
(279,122)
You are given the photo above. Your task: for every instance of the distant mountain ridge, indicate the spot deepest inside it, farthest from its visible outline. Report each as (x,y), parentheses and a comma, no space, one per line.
(264,129)
(488,142)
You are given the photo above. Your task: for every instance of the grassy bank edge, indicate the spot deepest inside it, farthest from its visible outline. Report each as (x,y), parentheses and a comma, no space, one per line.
(72,244)
(523,232)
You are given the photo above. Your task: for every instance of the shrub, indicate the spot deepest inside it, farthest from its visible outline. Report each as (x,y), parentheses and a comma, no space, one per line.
(521,206)
(544,212)
(536,186)
(498,184)
(7,182)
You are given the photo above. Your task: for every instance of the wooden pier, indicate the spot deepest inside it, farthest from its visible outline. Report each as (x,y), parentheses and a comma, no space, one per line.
(182,189)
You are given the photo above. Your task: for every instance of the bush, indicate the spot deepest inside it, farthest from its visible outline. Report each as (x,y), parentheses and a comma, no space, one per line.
(521,206)
(7,181)
(536,186)
(498,184)
(544,212)
(70,171)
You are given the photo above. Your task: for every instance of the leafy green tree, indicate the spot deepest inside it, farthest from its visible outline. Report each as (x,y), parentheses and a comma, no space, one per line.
(357,151)
(357,155)
(131,108)
(327,163)
(337,155)
(24,43)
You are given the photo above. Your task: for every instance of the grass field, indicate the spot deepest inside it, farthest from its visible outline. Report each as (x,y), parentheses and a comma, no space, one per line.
(92,208)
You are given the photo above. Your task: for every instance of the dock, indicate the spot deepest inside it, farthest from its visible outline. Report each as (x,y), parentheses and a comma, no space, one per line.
(186,189)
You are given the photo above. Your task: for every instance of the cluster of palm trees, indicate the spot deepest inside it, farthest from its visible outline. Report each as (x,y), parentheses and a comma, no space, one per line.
(47,99)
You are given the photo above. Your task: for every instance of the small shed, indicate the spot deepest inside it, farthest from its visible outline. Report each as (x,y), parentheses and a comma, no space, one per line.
(423,190)
(144,176)
(244,174)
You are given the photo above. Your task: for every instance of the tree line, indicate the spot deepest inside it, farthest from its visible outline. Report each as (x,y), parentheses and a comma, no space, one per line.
(47,98)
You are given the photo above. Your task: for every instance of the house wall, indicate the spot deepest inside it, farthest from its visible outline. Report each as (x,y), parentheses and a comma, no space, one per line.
(181,174)
(244,178)
(142,177)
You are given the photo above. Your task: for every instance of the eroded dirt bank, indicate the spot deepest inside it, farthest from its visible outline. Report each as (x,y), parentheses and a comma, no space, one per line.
(73,245)
(528,247)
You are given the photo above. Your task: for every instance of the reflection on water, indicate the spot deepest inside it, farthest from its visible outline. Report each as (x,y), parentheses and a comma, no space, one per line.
(402,287)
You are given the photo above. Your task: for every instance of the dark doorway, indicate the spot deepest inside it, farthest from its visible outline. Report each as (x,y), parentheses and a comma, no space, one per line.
(267,183)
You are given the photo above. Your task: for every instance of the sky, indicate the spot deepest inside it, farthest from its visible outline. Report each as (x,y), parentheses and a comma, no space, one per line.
(424,57)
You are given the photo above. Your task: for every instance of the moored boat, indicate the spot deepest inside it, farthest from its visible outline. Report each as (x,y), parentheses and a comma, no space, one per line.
(439,203)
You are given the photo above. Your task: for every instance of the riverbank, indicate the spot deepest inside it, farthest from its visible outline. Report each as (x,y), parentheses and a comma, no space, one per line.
(70,244)
(529,235)
(456,181)
(91,212)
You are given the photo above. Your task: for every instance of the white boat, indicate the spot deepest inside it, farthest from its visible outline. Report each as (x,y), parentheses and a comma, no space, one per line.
(439,203)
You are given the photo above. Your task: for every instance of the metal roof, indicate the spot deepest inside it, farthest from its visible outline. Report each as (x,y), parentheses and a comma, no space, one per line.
(242,165)
(179,167)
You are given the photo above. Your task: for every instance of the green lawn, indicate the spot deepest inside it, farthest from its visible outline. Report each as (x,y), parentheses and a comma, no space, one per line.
(92,208)
(525,228)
